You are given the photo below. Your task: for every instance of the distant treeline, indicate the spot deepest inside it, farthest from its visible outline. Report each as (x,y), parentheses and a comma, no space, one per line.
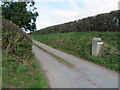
(107,22)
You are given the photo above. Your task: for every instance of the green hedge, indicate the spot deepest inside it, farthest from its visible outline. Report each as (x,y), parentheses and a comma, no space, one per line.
(101,23)
(14,40)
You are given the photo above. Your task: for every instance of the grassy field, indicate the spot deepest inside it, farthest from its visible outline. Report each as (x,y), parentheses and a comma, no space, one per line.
(79,44)
(19,74)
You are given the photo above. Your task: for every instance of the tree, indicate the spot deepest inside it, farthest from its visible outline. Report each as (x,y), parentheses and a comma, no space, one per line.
(22,14)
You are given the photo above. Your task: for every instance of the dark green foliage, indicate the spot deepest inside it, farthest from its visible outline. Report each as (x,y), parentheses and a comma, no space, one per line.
(18,13)
(15,41)
(19,67)
(108,22)
(79,44)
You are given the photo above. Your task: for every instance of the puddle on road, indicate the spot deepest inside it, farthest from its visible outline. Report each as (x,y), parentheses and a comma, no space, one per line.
(61,60)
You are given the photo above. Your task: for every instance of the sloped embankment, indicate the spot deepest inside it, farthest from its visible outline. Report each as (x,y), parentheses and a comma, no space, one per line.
(19,67)
(80,45)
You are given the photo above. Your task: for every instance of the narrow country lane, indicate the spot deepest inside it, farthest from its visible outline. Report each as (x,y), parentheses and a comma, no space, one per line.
(67,71)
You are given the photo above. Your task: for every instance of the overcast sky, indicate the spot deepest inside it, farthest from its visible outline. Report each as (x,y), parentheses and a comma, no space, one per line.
(53,12)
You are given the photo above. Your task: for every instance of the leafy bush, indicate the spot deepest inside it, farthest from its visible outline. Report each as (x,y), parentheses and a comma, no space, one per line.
(15,41)
(18,60)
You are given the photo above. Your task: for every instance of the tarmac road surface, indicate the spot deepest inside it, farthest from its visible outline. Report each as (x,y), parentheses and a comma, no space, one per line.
(67,71)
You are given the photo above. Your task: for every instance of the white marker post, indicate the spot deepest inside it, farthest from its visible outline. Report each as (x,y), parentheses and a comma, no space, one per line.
(96,46)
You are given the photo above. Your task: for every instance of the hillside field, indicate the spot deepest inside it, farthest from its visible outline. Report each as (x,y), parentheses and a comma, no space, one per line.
(80,45)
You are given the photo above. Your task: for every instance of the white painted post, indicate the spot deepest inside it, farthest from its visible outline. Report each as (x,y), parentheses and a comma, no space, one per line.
(96,46)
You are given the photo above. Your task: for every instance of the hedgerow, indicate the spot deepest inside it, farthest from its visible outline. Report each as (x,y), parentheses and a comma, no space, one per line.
(15,41)
(107,22)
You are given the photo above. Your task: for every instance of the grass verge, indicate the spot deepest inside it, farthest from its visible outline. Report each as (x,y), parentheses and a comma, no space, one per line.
(19,74)
(79,44)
